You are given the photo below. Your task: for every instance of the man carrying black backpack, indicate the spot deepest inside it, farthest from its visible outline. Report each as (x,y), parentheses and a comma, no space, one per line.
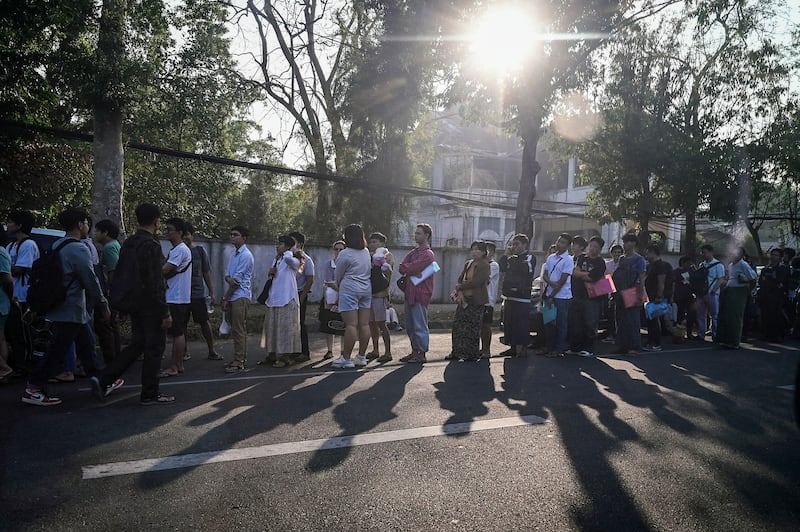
(66,308)
(139,290)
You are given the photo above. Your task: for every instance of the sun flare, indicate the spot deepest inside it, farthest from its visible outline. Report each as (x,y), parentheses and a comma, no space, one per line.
(502,39)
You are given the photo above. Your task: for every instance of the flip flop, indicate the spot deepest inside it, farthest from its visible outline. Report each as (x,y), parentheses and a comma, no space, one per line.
(164,373)
(159,400)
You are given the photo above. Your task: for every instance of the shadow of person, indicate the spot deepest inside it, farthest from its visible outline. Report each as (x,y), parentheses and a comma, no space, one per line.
(465,390)
(257,410)
(362,411)
(559,390)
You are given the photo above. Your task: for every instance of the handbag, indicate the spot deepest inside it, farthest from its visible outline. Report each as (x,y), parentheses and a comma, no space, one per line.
(330,322)
(264,295)
(402,282)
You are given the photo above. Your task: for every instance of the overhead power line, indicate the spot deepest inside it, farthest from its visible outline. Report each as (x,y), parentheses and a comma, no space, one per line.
(333,178)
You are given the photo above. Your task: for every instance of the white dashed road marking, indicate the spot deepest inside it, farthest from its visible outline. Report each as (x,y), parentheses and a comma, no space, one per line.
(277,449)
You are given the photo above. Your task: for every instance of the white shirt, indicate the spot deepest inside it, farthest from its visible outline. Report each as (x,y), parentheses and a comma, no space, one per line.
(494,279)
(22,255)
(179,287)
(556,266)
(284,284)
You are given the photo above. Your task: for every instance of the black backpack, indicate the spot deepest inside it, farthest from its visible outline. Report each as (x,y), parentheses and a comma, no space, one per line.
(378,281)
(126,291)
(46,288)
(698,280)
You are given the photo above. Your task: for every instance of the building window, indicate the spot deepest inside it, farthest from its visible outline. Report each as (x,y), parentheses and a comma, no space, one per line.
(488,223)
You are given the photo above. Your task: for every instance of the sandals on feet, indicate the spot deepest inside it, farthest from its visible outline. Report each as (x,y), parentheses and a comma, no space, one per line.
(164,373)
(160,399)
(234,367)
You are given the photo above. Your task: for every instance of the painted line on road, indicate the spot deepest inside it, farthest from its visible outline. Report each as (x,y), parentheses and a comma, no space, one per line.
(278,449)
(789,387)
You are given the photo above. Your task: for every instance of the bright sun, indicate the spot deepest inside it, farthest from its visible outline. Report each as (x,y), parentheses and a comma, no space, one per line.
(502,39)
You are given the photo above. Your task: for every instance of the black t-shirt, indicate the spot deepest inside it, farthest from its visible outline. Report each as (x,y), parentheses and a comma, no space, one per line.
(596,267)
(654,269)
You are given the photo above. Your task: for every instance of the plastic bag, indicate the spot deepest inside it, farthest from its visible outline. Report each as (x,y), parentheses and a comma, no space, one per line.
(224,327)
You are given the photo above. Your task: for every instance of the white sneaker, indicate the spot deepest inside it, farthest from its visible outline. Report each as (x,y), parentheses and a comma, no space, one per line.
(585,353)
(360,361)
(342,363)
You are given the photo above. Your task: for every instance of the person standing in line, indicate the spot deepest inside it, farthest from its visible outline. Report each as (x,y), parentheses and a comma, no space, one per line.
(199,305)
(682,293)
(281,331)
(305,280)
(23,252)
(139,285)
(584,311)
(70,318)
(518,265)
(178,273)
(380,299)
(611,307)
(658,283)
(733,300)
(557,276)
(470,295)
(488,311)
(106,234)
(237,296)
(6,296)
(418,297)
(772,284)
(630,274)
(355,296)
(330,298)
(578,247)
(708,303)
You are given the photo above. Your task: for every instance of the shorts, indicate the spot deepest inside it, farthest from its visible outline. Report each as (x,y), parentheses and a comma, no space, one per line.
(348,301)
(378,309)
(180,318)
(488,314)
(198,310)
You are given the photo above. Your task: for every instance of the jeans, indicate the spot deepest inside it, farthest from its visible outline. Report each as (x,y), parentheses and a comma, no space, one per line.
(629,336)
(416,317)
(584,315)
(708,304)
(556,331)
(239,308)
(64,333)
(148,338)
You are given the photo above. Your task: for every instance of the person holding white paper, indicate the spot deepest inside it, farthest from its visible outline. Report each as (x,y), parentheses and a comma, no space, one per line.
(418,296)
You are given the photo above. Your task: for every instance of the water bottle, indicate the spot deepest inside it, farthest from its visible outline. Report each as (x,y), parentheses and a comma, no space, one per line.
(209,305)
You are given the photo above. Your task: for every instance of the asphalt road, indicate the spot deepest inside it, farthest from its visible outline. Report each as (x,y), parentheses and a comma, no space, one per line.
(692,438)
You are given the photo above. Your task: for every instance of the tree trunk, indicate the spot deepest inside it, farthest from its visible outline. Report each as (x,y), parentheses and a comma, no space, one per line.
(690,240)
(107,108)
(527,181)
(756,239)
(108,184)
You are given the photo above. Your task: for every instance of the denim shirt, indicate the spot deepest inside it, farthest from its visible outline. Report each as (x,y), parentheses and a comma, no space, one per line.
(83,288)
(240,267)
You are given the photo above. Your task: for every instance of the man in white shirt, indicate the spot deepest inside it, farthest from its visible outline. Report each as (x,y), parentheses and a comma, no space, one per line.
(557,277)
(488,311)
(23,252)
(178,273)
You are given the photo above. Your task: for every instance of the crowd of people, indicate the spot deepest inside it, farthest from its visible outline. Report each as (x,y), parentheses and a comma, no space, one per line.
(101,282)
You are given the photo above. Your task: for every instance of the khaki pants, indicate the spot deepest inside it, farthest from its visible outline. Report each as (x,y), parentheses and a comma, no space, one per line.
(238,309)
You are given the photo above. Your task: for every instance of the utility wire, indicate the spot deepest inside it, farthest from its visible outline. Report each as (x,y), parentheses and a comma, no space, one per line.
(334,178)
